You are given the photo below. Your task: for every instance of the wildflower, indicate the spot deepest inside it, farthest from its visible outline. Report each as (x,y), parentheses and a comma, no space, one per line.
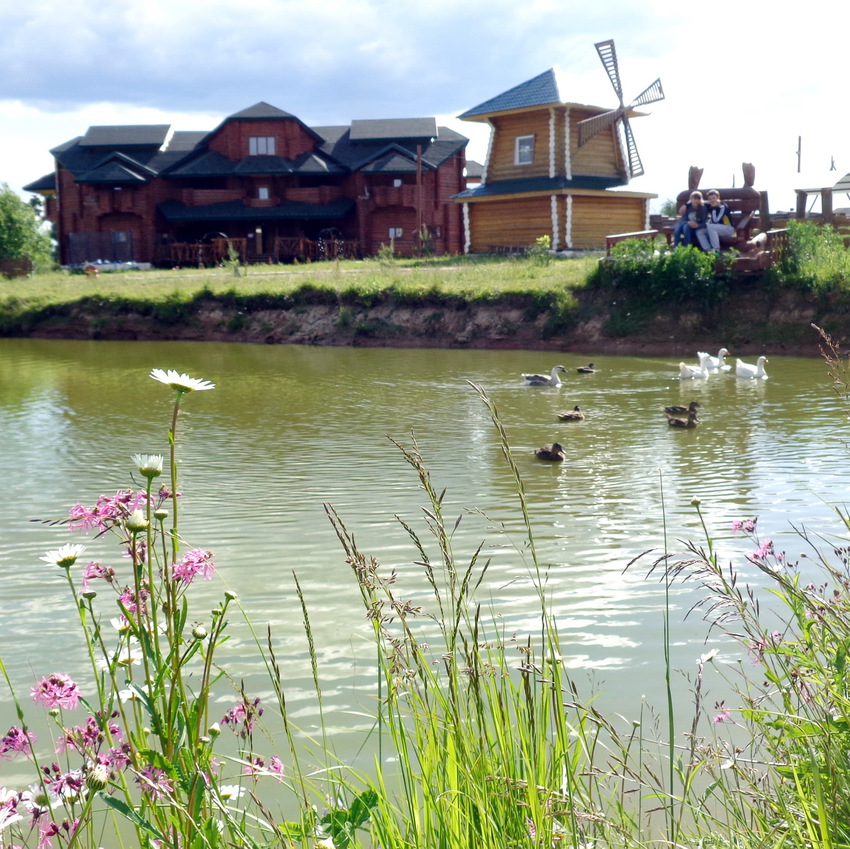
(93,571)
(136,522)
(8,808)
(56,691)
(150,465)
(746,525)
(194,562)
(15,740)
(107,512)
(45,832)
(98,777)
(721,717)
(180,382)
(154,782)
(244,714)
(38,800)
(64,557)
(276,765)
(230,792)
(763,551)
(707,657)
(696,501)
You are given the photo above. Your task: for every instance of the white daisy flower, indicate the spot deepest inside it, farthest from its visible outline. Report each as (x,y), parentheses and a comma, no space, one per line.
(230,792)
(38,799)
(64,557)
(180,382)
(150,465)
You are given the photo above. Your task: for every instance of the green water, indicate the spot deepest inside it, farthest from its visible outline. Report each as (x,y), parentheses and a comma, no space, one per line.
(290,428)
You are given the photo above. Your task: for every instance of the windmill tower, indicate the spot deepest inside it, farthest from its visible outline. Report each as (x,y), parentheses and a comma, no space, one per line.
(591,127)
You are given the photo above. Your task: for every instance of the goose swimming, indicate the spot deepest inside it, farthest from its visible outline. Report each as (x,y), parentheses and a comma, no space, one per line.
(544,380)
(743,369)
(687,372)
(717,363)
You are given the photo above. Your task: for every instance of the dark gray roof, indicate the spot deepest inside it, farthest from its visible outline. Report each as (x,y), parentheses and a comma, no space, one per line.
(116,169)
(539,184)
(132,135)
(261,111)
(387,129)
(383,145)
(47,183)
(173,210)
(542,90)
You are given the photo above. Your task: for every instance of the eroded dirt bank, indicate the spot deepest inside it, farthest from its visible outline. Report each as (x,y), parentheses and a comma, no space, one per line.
(749,322)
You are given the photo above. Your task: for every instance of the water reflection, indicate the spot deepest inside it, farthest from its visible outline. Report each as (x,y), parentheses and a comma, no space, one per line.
(289,428)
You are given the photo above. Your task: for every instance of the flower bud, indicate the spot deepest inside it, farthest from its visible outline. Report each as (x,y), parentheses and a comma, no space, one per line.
(199,632)
(136,522)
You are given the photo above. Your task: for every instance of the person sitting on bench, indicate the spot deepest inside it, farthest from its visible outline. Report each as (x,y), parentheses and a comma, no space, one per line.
(719,220)
(693,221)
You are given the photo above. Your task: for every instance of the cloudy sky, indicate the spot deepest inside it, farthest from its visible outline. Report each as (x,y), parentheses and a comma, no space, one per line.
(743,81)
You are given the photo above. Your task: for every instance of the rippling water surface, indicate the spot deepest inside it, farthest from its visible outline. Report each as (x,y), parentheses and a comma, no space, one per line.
(290,428)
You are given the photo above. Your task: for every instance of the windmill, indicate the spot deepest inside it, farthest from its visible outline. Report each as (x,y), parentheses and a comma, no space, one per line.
(591,127)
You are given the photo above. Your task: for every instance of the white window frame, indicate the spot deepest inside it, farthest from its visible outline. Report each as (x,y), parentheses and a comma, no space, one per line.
(261,146)
(524,150)
(396,232)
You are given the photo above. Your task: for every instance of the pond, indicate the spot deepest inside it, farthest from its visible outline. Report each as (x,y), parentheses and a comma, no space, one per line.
(290,428)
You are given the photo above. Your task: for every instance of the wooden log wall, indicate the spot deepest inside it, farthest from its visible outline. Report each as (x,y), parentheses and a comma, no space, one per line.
(517,223)
(593,218)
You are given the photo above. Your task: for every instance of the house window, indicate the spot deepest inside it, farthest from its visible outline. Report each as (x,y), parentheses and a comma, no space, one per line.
(396,232)
(397,182)
(263,192)
(261,146)
(524,150)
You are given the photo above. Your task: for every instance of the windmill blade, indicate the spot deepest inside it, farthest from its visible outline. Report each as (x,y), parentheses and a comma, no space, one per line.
(635,165)
(652,94)
(608,55)
(591,127)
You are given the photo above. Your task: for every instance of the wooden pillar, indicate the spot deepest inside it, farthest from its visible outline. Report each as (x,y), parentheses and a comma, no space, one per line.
(802,198)
(826,205)
(764,213)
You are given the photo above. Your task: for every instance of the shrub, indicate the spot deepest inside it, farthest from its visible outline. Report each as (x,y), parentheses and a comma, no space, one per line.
(816,258)
(683,274)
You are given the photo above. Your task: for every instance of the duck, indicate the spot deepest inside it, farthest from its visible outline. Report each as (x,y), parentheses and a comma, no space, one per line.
(690,421)
(543,380)
(748,370)
(574,415)
(687,372)
(588,369)
(717,363)
(679,410)
(553,453)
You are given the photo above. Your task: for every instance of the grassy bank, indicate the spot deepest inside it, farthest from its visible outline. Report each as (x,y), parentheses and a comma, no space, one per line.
(644,302)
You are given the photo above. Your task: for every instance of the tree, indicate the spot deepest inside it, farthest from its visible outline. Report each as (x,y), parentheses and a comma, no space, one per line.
(20,229)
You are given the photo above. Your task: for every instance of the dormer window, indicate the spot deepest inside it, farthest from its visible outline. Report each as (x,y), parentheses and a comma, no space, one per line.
(397,182)
(261,146)
(524,150)
(263,193)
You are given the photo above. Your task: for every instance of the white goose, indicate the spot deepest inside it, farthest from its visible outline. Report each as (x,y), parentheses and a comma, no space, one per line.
(717,363)
(543,380)
(747,370)
(687,372)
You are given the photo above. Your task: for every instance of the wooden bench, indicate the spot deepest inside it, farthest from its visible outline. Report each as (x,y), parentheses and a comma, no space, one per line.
(651,235)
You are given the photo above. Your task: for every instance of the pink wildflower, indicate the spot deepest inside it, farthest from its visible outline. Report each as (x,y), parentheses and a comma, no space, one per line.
(107,512)
(245,715)
(14,741)
(764,550)
(276,765)
(194,562)
(721,717)
(746,525)
(47,830)
(154,782)
(94,571)
(57,690)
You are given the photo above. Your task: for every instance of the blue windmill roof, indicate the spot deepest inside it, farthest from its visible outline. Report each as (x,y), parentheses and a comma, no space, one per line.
(539,91)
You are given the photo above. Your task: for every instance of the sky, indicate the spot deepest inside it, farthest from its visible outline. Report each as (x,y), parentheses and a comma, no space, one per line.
(744,82)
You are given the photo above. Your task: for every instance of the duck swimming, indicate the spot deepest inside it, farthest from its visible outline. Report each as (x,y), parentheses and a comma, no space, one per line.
(743,369)
(543,380)
(690,421)
(588,369)
(553,453)
(679,410)
(574,415)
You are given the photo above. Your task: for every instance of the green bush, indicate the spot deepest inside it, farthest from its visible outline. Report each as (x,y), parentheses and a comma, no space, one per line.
(662,276)
(816,258)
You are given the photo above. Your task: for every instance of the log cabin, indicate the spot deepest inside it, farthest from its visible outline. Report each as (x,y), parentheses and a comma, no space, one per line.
(262,184)
(539,181)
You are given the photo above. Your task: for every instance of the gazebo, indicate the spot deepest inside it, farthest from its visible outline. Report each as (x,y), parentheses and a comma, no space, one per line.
(826,194)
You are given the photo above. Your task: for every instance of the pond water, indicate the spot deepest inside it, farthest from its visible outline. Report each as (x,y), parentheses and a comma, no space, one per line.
(290,428)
